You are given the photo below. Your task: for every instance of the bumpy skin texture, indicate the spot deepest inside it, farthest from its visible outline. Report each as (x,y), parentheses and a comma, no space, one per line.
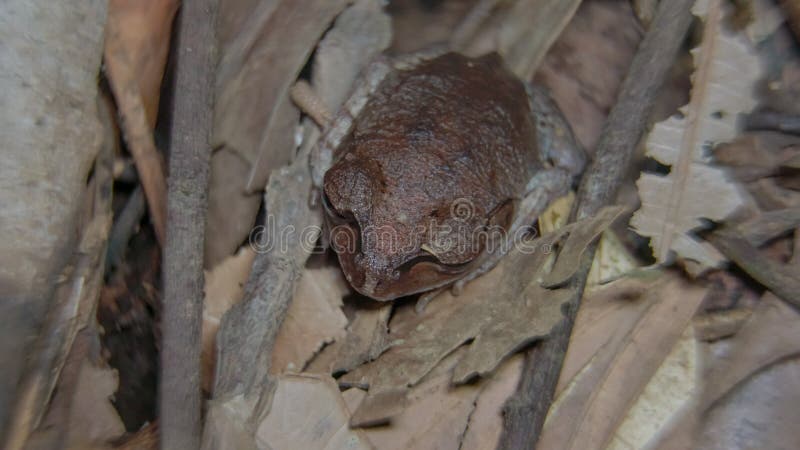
(439,153)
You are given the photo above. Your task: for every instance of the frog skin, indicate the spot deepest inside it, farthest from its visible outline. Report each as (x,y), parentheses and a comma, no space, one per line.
(429,153)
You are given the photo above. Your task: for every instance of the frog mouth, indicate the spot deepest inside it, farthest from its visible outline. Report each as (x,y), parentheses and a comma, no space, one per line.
(420,274)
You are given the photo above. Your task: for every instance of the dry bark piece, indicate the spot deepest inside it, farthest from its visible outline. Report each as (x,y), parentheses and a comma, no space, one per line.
(726,71)
(769,225)
(224,287)
(302,403)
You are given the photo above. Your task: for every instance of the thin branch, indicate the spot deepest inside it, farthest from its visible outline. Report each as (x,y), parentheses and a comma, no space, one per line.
(187,202)
(526,411)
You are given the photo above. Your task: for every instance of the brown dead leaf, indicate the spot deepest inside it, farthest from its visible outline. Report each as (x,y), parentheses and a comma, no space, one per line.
(577,241)
(143,29)
(367,337)
(435,417)
(307,402)
(621,359)
(93,419)
(486,421)
(587,63)
(771,334)
(252,103)
(314,319)
(769,225)
(762,413)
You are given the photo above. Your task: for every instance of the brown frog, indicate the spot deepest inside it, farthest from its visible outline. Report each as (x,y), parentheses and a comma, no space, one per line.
(433,165)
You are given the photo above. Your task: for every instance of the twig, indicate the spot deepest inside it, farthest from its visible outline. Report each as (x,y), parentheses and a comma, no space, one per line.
(123,229)
(526,411)
(782,280)
(187,202)
(774,121)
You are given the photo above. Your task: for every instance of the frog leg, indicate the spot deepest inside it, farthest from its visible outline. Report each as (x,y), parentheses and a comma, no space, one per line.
(544,187)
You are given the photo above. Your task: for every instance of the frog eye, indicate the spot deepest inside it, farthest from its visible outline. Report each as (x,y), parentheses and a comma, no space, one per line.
(333,213)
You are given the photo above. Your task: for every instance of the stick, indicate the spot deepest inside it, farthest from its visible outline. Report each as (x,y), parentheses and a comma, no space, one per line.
(179,390)
(526,411)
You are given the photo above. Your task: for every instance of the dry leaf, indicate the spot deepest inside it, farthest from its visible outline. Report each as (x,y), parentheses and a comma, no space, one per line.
(670,393)
(486,421)
(314,319)
(577,241)
(762,413)
(620,361)
(93,419)
(308,413)
(435,417)
(367,337)
(144,29)
(673,205)
(771,334)
(586,65)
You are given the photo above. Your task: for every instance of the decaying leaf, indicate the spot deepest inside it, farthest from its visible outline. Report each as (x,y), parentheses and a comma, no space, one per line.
(367,337)
(314,319)
(435,417)
(771,334)
(302,403)
(486,421)
(762,413)
(501,311)
(673,205)
(577,241)
(620,343)
(587,63)
(92,418)
(143,29)
(669,394)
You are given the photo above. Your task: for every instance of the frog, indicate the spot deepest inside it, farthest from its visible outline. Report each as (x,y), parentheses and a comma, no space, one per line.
(434,164)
